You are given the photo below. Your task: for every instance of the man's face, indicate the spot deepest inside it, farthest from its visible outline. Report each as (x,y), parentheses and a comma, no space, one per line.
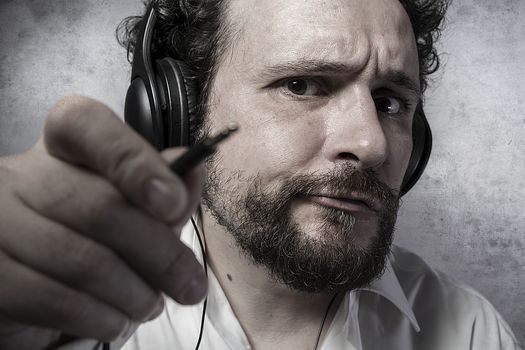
(324,93)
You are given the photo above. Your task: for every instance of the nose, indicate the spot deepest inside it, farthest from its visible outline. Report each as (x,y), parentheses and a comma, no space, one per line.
(354,132)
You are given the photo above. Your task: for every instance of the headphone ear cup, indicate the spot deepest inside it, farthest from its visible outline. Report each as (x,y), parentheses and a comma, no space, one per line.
(421,148)
(178,99)
(190,83)
(140,115)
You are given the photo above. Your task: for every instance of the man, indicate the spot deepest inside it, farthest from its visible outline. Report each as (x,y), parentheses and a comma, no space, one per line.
(298,208)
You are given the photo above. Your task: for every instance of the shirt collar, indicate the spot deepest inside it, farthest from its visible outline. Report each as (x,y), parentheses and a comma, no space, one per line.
(388,287)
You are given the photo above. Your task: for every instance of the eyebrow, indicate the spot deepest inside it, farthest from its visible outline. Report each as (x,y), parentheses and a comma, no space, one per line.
(404,81)
(309,67)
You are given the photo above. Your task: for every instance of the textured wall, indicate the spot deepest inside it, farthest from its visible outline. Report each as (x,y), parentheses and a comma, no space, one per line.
(465,216)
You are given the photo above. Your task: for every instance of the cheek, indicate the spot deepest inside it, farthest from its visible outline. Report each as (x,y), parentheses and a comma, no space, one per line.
(400,151)
(271,141)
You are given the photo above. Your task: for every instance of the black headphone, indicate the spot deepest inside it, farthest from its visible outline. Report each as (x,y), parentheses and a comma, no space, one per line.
(161,104)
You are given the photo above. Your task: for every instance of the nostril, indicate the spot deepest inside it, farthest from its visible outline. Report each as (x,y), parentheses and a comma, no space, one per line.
(348,156)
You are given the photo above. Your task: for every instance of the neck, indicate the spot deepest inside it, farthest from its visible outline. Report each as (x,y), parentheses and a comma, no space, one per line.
(271,314)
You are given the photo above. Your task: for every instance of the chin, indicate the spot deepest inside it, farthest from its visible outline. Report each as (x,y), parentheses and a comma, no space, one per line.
(335,227)
(315,245)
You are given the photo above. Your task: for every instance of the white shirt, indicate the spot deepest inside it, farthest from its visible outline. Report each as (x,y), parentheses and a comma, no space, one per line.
(410,307)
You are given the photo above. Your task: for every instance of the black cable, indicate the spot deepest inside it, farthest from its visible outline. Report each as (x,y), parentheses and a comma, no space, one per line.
(203,249)
(203,246)
(324,319)
(106,346)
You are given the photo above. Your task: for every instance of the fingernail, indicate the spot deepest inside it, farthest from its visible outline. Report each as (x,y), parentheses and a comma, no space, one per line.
(164,199)
(195,290)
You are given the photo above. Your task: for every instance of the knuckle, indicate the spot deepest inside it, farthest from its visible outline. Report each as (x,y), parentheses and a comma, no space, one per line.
(129,160)
(103,207)
(89,262)
(63,116)
(66,119)
(108,198)
(55,200)
(18,177)
(69,307)
(132,168)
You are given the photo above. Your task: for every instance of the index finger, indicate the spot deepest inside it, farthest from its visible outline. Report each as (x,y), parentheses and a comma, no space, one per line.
(85,132)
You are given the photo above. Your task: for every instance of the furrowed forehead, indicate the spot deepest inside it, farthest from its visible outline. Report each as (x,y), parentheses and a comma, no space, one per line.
(274,32)
(269,15)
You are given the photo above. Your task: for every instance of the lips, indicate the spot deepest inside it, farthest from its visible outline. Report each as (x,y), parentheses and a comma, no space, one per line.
(346,204)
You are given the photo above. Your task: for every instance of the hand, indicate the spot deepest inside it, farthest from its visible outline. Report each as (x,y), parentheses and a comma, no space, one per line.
(87,241)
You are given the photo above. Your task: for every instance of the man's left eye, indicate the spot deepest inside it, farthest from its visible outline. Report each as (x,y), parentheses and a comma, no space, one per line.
(303,87)
(389,105)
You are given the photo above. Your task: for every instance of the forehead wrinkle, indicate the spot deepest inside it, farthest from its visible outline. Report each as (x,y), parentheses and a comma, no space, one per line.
(396,51)
(273,27)
(268,36)
(321,53)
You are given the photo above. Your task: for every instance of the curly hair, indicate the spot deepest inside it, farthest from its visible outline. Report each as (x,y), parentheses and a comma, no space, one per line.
(427,18)
(194,31)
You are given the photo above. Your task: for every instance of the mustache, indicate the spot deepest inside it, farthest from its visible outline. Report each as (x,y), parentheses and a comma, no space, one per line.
(342,179)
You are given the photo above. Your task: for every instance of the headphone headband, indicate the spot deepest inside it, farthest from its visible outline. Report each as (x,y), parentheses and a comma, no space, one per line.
(147,121)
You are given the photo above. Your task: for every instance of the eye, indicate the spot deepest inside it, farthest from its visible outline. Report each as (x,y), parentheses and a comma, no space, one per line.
(303,87)
(389,105)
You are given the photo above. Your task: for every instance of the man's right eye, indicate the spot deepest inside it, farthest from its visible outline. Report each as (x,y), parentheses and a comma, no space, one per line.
(302,87)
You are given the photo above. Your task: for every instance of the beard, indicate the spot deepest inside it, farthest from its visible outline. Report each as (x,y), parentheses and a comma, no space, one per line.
(261,222)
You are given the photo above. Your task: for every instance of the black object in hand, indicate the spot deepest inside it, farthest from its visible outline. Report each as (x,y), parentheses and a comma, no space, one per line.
(200,151)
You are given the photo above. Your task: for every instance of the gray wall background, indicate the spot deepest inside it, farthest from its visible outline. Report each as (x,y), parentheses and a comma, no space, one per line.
(466,214)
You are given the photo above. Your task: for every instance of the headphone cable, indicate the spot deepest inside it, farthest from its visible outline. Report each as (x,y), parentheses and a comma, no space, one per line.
(106,345)
(324,319)
(202,243)
(203,250)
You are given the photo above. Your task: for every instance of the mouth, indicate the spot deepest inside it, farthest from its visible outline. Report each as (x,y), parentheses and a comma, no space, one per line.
(346,203)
